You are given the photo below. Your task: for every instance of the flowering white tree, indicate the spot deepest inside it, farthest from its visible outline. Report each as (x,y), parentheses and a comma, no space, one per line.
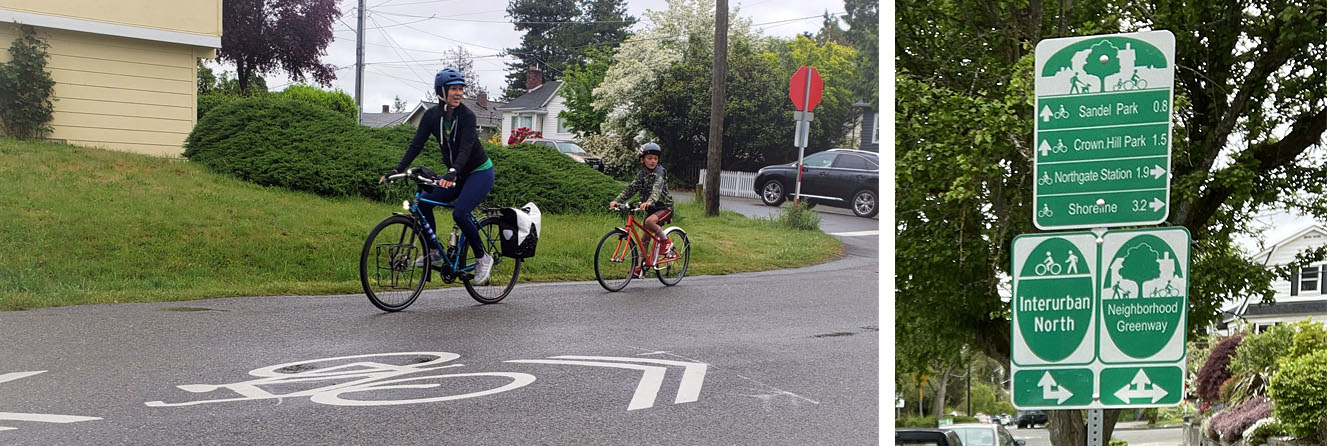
(645,55)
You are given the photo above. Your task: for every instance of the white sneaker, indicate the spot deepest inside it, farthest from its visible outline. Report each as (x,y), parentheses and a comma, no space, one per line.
(482,268)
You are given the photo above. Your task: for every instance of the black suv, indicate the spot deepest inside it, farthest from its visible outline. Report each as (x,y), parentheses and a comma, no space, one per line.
(843,178)
(1031,418)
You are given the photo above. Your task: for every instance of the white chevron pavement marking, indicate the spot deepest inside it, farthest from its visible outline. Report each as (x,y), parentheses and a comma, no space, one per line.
(693,377)
(648,388)
(15,416)
(18,375)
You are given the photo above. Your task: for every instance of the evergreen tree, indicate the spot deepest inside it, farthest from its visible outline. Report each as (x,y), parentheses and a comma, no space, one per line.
(559,34)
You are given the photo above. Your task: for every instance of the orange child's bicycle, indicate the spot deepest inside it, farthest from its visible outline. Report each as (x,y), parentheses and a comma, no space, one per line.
(622,253)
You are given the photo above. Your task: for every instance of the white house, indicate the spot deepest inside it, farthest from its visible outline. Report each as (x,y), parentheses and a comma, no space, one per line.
(537,109)
(1303,296)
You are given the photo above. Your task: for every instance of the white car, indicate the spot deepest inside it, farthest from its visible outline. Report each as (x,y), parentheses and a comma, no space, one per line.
(977,434)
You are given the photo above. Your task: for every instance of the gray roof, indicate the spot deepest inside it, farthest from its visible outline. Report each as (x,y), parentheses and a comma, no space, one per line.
(1288,308)
(383,119)
(535,99)
(484,116)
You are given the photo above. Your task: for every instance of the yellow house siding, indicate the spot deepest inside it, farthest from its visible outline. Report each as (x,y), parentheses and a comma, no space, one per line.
(201,17)
(120,93)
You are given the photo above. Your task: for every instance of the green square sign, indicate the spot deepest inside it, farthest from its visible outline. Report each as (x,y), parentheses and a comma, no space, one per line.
(1102,130)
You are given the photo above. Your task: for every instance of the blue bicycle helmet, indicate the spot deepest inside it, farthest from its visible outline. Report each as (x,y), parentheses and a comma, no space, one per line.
(446,77)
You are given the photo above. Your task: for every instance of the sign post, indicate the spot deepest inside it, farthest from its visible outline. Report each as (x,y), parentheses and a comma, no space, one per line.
(804,89)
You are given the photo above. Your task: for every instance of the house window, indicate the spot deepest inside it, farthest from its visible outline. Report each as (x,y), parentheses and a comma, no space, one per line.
(513,122)
(562,125)
(875,128)
(1307,281)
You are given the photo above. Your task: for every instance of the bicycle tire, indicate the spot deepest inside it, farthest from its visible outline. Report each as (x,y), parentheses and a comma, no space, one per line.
(404,281)
(671,273)
(608,265)
(499,283)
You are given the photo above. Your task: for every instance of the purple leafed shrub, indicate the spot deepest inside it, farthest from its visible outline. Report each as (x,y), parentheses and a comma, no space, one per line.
(1231,423)
(1214,371)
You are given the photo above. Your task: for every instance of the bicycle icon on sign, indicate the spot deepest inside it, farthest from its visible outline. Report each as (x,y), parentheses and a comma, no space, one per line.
(1048,266)
(361,374)
(1045,210)
(1059,147)
(1061,113)
(1045,180)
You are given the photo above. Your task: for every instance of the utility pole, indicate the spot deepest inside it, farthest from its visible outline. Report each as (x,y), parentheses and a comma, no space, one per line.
(714,164)
(359,66)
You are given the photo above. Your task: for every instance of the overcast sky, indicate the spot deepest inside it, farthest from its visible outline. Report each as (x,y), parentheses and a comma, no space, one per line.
(405,40)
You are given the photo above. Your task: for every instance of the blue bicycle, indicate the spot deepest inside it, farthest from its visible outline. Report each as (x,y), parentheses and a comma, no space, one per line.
(394,265)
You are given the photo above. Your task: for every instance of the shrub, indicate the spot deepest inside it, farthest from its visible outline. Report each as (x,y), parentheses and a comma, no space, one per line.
(280,142)
(619,160)
(1310,336)
(26,106)
(521,134)
(209,101)
(1114,442)
(555,182)
(1230,424)
(923,422)
(1300,391)
(1214,372)
(799,217)
(1261,430)
(337,101)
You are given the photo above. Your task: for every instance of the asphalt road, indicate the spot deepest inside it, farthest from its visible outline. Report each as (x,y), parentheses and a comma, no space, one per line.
(777,357)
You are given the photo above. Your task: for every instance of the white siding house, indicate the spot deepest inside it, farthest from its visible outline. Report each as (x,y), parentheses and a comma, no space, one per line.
(537,110)
(1302,297)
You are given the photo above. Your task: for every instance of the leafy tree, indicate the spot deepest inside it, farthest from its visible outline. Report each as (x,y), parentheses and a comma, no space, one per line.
(398,105)
(558,35)
(207,80)
(862,17)
(460,59)
(1250,113)
(262,36)
(578,91)
(26,104)
(830,32)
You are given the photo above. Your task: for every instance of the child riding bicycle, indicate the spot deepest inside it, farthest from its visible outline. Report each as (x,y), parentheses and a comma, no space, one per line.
(651,182)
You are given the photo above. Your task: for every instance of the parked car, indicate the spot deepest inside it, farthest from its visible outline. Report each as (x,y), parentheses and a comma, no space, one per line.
(843,178)
(1003,419)
(570,148)
(926,437)
(983,434)
(1031,418)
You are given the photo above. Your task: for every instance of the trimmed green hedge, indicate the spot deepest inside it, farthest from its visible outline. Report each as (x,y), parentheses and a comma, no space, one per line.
(1299,393)
(337,101)
(273,141)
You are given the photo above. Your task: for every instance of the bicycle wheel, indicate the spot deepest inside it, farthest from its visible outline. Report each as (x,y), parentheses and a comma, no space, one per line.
(1141,84)
(614,259)
(671,270)
(502,278)
(387,264)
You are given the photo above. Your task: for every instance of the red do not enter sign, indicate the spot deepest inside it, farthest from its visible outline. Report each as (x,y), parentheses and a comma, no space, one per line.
(805,95)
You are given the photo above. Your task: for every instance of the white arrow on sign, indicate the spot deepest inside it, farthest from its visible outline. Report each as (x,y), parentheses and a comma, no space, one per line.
(693,377)
(1045,147)
(1053,391)
(1135,389)
(1046,113)
(1157,171)
(1156,204)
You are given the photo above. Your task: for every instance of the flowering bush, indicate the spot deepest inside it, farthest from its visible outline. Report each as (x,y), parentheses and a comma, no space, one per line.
(523,133)
(1231,423)
(1214,372)
(1258,433)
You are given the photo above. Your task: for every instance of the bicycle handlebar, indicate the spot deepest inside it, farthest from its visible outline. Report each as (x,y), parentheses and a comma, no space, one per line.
(628,207)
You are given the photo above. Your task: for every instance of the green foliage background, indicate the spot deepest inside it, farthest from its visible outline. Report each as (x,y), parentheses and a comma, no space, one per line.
(26,103)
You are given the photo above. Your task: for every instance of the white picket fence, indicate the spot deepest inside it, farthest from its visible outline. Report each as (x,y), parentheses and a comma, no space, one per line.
(735,184)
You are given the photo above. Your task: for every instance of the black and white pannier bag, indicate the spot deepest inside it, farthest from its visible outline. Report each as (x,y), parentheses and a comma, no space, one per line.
(520,231)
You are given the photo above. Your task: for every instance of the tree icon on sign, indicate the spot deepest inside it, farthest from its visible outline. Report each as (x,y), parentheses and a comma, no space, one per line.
(1140,265)
(1103,61)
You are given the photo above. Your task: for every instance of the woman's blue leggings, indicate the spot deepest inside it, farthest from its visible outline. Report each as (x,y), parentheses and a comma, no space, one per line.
(467,193)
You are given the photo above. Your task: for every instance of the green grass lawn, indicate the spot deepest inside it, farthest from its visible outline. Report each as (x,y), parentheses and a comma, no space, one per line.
(86,226)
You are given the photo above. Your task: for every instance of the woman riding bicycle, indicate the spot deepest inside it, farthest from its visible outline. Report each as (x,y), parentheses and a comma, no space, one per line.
(651,182)
(470,175)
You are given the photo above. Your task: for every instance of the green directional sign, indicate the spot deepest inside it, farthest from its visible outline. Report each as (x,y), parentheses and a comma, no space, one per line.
(1144,295)
(1142,386)
(1099,321)
(1053,387)
(1103,130)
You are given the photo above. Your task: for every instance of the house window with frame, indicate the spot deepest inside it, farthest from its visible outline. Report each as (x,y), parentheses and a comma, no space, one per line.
(1308,281)
(875,129)
(562,125)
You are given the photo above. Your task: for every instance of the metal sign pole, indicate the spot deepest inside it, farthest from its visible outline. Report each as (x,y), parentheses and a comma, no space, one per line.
(801,143)
(1095,427)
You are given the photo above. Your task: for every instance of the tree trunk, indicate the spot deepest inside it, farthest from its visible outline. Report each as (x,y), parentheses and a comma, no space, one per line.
(242,70)
(938,405)
(1069,427)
